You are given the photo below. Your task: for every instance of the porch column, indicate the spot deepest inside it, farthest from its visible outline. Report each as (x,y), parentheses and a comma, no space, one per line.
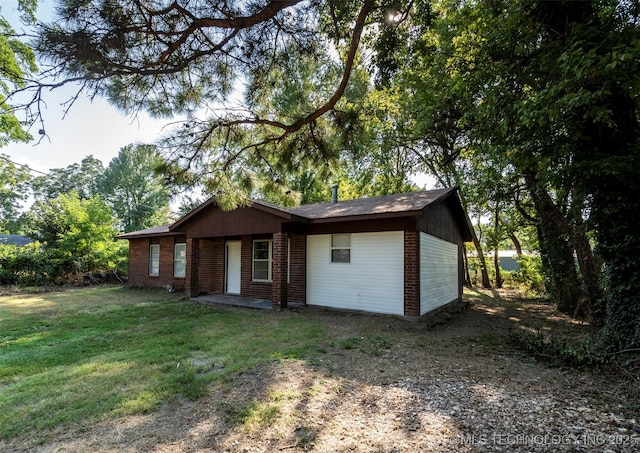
(280,264)
(193,263)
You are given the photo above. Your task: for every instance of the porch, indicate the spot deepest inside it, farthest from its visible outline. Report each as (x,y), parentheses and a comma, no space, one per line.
(229,300)
(258,269)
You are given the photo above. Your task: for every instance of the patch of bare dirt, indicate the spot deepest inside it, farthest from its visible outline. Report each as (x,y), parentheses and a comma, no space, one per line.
(389,385)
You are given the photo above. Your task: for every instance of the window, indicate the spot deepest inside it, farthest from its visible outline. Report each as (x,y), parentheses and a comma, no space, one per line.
(340,248)
(262,260)
(180,260)
(154,260)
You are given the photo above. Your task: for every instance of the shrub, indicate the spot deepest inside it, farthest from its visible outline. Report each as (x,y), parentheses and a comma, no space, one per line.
(576,353)
(530,277)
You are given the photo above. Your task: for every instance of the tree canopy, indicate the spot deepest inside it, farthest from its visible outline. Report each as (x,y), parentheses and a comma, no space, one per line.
(534,106)
(17,63)
(14,192)
(132,188)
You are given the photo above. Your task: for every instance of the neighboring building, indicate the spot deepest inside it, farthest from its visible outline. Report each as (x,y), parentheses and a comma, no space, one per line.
(14,239)
(508,260)
(398,254)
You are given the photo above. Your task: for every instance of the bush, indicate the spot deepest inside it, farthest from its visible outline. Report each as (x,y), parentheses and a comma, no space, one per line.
(582,354)
(31,265)
(529,277)
(35,265)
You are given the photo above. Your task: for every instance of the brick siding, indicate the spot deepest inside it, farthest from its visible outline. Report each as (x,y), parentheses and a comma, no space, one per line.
(280,263)
(411,274)
(139,251)
(211,273)
(249,288)
(297,269)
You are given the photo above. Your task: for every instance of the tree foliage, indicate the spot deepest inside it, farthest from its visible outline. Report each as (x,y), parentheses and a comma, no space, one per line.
(533,105)
(215,63)
(14,192)
(17,61)
(134,190)
(79,177)
(81,230)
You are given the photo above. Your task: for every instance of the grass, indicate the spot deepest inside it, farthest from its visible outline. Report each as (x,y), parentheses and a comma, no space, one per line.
(86,355)
(367,344)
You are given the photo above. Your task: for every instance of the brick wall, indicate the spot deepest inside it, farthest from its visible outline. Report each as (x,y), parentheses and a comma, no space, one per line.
(139,250)
(138,262)
(192,268)
(411,274)
(211,273)
(209,276)
(298,269)
(249,288)
(279,271)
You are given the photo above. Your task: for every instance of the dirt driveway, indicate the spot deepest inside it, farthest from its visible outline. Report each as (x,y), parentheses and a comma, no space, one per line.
(389,385)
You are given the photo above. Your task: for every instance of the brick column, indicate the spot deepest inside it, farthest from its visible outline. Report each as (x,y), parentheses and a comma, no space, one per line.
(411,274)
(279,274)
(193,264)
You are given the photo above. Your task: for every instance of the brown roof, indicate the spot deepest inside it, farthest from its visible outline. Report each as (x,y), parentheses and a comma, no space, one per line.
(401,203)
(155,231)
(397,205)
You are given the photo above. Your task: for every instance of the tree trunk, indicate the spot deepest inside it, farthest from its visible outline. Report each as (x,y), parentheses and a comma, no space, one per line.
(616,215)
(496,263)
(561,277)
(614,156)
(496,257)
(486,282)
(590,268)
(516,244)
(467,276)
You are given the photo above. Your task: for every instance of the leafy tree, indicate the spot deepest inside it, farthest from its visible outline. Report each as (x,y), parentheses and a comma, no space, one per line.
(134,190)
(14,191)
(79,177)
(547,92)
(81,230)
(200,58)
(17,61)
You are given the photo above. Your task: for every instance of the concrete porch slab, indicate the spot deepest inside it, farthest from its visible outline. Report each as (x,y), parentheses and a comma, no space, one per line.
(230,300)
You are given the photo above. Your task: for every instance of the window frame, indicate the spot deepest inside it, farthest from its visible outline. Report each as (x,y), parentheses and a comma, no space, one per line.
(152,260)
(269,260)
(288,261)
(338,248)
(176,259)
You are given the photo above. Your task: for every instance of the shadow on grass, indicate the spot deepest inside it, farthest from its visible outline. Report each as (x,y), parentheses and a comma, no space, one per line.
(217,379)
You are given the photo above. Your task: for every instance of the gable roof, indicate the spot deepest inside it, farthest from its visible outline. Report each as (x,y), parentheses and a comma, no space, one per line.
(261,205)
(396,205)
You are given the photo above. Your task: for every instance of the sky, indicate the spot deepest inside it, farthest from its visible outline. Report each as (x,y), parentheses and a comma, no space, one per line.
(90,127)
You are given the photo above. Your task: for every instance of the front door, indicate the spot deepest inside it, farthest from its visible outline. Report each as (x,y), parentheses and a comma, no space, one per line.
(233,267)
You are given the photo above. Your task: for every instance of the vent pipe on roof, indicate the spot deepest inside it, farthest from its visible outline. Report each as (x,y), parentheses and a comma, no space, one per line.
(334,194)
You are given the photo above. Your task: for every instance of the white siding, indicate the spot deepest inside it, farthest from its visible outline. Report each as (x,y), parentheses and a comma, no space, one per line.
(438,272)
(373,280)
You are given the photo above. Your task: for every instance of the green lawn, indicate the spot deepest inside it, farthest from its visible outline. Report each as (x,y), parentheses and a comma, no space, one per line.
(90,354)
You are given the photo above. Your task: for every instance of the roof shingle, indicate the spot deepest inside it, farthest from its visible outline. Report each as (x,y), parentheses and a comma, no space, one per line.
(388,204)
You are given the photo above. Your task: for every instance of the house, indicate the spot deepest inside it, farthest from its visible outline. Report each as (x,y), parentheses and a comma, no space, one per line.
(399,254)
